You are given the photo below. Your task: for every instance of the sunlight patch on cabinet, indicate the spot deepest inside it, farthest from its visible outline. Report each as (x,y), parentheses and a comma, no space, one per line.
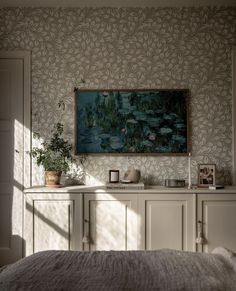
(112,221)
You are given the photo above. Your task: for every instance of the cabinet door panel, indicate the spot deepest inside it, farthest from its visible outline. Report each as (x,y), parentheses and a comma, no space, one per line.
(108,222)
(165,225)
(218,214)
(167,221)
(52,225)
(112,222)
(52,222)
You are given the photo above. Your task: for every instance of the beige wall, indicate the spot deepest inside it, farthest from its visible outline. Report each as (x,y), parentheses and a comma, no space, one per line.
(132,48)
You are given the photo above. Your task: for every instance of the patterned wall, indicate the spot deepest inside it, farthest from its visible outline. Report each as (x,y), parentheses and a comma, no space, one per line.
(131,48)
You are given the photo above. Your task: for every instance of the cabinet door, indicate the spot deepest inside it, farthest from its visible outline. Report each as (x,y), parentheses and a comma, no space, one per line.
(110,221)
(218,215)
(50,223)
(167,221)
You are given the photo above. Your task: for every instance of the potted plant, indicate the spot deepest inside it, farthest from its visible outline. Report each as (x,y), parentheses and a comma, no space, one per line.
(55,156)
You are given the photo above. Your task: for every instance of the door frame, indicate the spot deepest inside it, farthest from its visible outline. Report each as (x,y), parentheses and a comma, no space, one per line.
(234,113)
(25,56)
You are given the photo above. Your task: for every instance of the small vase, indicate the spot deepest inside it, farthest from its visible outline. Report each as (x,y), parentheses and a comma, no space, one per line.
(53,178)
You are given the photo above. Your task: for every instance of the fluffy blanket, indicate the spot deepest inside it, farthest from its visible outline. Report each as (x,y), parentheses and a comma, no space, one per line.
(121,270)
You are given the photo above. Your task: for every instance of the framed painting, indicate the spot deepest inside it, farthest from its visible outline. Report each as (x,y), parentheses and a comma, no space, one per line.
(132,122)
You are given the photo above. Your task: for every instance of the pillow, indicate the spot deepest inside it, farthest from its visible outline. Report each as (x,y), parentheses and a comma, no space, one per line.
(228,254)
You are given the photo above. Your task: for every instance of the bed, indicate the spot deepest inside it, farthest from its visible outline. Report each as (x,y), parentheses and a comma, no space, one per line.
(121,270)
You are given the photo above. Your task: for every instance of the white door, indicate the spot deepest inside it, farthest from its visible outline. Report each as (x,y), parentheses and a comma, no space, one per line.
(110,221)
(11,159)
(217,212)
(52,225)
(167,221)
(53,221)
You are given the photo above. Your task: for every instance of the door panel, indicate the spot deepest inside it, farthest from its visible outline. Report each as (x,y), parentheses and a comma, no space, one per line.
(218,214)
(108,225)
(5,218)
(53,221)
(6,155)
(11,157)
(167,221)
(52,225)
(165,225)
(5,85)
(111,221)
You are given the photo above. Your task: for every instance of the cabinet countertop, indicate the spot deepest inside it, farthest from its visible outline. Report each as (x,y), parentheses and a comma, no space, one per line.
(148,189)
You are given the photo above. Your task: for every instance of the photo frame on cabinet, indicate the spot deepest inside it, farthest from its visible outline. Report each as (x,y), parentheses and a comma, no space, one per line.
(206,175)
(146,122)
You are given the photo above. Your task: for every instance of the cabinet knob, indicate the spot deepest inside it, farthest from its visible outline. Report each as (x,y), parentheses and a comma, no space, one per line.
(85,239)
(200,237)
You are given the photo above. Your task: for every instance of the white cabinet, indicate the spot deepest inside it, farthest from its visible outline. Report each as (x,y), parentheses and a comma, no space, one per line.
(135,220)
(110,221)
(167,221)
(217,212)
(52,222)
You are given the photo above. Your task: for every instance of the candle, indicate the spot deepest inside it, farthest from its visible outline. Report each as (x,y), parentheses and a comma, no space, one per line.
(189,171)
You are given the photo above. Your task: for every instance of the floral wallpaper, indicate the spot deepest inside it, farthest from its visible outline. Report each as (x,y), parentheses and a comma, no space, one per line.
(131,48)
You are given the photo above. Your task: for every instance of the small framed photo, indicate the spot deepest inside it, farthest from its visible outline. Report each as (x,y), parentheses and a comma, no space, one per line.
(206,175)
(114,176)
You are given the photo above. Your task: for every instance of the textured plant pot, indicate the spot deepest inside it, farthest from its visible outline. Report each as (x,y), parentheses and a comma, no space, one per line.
(53,178)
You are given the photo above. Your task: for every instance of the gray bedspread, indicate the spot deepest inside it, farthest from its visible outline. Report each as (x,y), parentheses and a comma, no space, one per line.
(120,270)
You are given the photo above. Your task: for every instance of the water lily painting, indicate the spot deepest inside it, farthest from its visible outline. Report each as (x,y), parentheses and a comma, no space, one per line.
(132,121)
